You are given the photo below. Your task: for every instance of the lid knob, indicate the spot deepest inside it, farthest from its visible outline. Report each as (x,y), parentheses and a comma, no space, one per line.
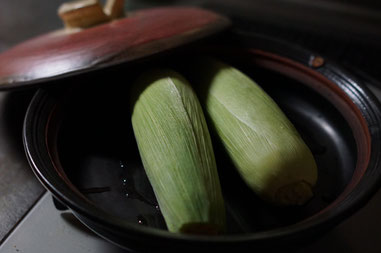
(114,9)
(87,13)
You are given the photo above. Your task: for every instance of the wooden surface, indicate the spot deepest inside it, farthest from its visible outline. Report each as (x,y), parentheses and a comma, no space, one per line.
(142,34)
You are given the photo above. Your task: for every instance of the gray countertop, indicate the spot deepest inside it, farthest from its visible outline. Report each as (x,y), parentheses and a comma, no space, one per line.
(19,189)
(46,229)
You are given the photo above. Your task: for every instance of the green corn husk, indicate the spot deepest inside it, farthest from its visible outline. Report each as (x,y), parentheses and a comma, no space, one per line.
(177,153)
(263,144)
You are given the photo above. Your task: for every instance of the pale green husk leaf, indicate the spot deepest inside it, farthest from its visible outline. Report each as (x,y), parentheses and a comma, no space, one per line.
(264,145)
(176,150)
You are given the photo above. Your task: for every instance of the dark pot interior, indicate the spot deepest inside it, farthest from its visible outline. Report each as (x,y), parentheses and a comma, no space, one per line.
(99,155)
(81,146)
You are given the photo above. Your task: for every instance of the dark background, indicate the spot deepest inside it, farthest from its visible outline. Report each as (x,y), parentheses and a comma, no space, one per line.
(346,31)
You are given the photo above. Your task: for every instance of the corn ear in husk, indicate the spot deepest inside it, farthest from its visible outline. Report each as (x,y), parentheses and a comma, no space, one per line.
(177,153)
(263,144)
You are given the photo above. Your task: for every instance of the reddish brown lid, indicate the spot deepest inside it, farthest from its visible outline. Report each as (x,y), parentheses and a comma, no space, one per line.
(141,34)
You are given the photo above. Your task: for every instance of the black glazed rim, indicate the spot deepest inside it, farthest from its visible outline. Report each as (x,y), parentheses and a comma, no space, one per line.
(44,102)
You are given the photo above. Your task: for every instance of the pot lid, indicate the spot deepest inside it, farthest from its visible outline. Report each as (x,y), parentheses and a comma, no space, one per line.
(78,49)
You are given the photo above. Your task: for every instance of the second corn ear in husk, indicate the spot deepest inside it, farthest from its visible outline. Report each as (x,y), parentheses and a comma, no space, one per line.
(263,144)
(177,153)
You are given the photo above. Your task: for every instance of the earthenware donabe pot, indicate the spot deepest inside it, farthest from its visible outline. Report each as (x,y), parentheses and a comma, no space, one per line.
(79,142)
